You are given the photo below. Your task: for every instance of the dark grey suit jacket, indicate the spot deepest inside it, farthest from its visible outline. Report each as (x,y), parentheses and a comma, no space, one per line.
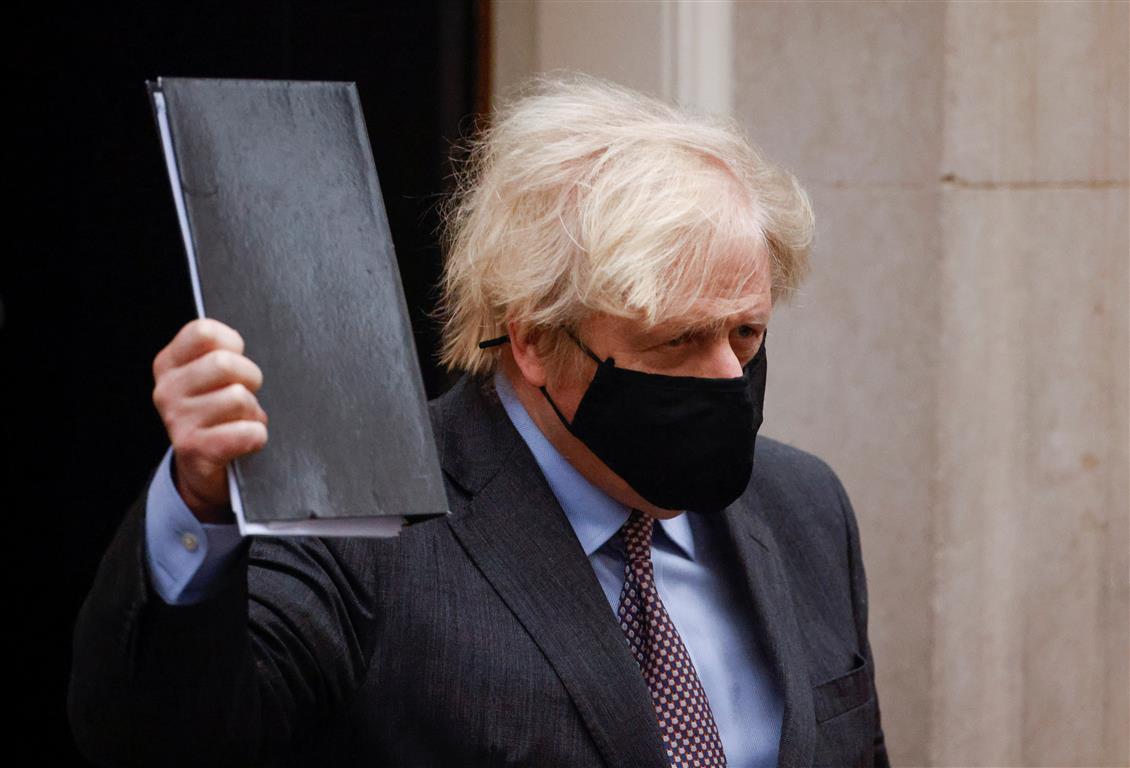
(482,638)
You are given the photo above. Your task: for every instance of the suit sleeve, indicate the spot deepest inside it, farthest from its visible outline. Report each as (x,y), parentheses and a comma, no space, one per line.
(859,608)
(231,680)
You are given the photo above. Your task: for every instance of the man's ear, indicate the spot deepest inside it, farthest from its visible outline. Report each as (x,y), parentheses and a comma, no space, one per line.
(523,345)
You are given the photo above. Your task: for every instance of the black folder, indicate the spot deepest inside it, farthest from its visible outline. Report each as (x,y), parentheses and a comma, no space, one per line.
(288,242)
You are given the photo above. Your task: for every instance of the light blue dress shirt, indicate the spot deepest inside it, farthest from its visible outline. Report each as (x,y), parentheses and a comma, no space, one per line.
(699,587)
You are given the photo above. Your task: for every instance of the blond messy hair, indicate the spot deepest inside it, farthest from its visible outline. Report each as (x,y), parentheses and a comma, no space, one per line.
(583,196)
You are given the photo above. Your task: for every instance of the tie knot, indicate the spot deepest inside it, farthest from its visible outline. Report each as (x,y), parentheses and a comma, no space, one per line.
(637,536)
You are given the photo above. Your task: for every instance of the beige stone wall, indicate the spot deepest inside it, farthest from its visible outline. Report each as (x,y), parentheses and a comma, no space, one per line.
(1031,511)
(960,353)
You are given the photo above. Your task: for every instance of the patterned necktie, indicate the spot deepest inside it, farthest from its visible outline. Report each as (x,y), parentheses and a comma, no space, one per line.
(685,720)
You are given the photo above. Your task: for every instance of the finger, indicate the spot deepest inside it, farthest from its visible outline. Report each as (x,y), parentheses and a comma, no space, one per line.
(231,403)
(222,443)
(213,370)
(195,339)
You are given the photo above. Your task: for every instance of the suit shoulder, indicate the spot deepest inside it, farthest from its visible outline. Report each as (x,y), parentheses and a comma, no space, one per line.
(439,405)
(799,495)
(457,396)
(790,474)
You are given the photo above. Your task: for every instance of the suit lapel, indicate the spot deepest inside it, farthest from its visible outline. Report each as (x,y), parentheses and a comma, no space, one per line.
(517,535)
(773,610)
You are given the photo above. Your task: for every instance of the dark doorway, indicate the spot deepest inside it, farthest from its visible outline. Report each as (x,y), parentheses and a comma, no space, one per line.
(91,293)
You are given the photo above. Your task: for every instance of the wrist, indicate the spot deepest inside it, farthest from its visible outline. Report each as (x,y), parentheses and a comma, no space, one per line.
(209,514)
(202,509)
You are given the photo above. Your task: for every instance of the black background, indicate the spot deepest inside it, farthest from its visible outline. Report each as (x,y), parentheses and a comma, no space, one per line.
(94,278)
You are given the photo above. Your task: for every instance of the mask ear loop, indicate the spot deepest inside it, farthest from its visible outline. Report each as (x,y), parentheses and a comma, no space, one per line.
(495,342)
(560,415)
(584,348)
(500,340)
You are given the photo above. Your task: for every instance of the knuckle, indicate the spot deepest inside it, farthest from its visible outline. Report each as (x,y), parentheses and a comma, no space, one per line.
(222,362)
(247,400)
(223,336)
(181,440)
(174,412)
(256,435)
(238,396)
(256,376)
(162,397)
(202,330)
(235,439)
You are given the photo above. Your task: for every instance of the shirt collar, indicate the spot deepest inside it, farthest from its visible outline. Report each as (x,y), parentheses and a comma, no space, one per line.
(594,515)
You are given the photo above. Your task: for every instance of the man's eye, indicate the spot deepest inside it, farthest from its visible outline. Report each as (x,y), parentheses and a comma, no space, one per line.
(678,341)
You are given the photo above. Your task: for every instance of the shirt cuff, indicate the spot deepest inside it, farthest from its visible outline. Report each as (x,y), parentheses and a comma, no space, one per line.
(188,560)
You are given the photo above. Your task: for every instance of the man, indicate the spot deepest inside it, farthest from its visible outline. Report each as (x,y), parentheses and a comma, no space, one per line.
(621,582)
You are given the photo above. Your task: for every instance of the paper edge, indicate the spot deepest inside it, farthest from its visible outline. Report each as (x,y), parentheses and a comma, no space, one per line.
(368,527)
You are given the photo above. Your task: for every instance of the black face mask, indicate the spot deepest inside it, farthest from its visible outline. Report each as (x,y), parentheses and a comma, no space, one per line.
(681,442)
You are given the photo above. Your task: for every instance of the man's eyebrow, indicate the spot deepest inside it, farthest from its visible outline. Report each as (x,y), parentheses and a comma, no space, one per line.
(751,316)
(695,325)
